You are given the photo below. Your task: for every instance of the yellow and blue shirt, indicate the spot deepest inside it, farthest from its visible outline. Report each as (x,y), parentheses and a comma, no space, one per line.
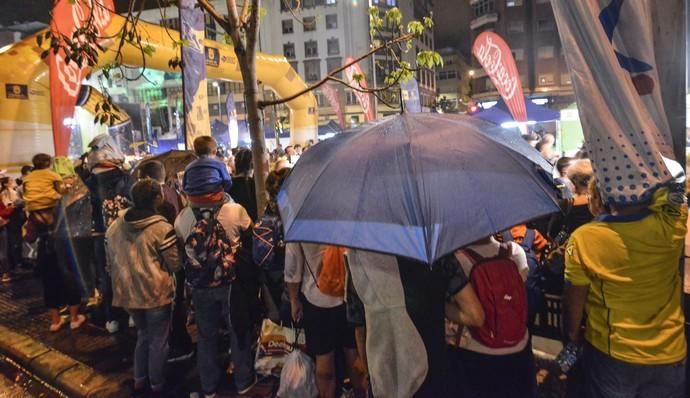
(631,265)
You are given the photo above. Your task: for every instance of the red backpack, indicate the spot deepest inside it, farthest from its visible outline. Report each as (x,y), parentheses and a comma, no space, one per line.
(501,292)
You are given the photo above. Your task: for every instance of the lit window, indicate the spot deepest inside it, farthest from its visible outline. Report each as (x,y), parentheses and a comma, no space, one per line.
(545,79)
(565,78)
(513,3)
(545,52)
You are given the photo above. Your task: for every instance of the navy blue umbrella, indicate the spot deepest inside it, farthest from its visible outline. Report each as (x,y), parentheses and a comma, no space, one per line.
(416,185)
(499,113)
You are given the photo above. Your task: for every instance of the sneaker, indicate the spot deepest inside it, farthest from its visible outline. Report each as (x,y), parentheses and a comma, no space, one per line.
(77,324)
(177,355)
(131,322)
(6,278)
(112,327)
(245,390)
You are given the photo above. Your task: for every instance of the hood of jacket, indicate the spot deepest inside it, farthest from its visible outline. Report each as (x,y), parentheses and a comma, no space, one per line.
(138,220)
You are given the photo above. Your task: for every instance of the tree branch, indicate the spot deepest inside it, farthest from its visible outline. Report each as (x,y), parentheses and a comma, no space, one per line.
(245,12)
(208,7)
(263,104)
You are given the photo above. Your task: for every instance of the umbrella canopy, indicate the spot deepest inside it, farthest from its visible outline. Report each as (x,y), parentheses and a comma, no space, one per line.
(174,161)
(499,113)
(415,185)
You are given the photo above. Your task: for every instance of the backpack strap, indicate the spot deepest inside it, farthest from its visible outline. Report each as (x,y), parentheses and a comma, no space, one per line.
(473,256)
(528,241)
(507,236)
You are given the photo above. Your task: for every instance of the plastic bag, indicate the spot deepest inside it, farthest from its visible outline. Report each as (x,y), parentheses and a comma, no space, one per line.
(275,343)
(297,380)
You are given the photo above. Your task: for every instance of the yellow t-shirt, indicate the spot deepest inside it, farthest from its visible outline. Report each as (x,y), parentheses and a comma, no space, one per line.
(39,189)
(631,265)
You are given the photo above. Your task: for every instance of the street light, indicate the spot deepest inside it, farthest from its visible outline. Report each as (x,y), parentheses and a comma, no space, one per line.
(220,110)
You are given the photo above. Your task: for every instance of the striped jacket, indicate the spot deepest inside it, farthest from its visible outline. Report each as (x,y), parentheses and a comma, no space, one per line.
(142,256)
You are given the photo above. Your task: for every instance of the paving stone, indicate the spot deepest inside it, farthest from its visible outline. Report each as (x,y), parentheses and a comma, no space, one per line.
(51,364)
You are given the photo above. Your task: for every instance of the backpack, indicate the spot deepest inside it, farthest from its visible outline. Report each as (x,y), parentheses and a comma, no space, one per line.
(112,208)
(209,260)
(331,279)
(501,292)
(527,245)
(267,243)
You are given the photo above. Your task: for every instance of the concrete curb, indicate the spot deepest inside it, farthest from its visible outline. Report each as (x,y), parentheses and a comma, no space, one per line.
(57,369)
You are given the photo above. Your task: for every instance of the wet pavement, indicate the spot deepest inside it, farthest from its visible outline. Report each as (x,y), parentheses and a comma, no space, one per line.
(17,383)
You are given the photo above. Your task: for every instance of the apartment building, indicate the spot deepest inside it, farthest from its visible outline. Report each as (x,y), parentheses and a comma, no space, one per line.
(529,28)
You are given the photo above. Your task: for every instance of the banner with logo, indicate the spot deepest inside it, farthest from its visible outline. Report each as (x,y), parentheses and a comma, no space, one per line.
(496,58)
(196,118)
(331,95)
(609,47)
(233,128)
(66,77)
(410,96)
(364,99)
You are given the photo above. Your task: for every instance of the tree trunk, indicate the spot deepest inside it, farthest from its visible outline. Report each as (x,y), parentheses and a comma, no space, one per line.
(247,63)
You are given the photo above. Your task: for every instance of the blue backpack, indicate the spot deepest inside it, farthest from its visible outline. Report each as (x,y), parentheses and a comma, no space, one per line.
(209,259)
(268,247)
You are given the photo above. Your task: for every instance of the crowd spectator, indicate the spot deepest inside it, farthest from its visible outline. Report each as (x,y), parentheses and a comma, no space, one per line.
(42,191)
(623,269)
(12,207)
(579,173)
(181,346)
(323,316)
(206,179)
(243,191)
(212,302)
(483,365)
(143,255)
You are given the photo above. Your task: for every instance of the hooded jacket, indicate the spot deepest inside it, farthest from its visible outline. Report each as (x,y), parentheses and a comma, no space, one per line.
(142,256)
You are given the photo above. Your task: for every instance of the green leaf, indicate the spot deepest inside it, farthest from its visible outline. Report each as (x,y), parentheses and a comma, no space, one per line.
(428,22)
(394,16)
(148,50)
(358,77)
(415,27)
(39,40)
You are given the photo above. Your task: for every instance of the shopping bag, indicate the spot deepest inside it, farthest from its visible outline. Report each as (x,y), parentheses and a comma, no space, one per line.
(275,343)
(297,379)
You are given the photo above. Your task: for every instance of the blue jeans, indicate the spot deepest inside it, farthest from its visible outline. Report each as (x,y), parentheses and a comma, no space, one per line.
(151,351)
(211,307)
(607,377)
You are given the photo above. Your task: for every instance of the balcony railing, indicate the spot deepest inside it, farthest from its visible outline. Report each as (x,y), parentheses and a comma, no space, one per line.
(480,21)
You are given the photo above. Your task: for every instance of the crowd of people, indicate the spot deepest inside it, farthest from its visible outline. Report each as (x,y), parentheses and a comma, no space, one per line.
(168,249)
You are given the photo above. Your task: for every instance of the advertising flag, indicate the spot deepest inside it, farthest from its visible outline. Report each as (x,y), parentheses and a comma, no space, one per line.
(495,57)
(233,128)
(66,76)
(363,98)
(609,47)
(196,117)
(410,96)
(331,95)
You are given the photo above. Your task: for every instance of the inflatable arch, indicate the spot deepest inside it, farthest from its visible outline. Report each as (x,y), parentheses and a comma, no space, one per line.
(25,126)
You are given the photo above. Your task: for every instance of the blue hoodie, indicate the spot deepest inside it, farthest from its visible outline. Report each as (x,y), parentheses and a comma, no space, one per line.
(206,175)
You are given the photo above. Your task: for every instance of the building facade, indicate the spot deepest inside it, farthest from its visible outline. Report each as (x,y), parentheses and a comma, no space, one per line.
(529,28)
(319,35)
(453,81)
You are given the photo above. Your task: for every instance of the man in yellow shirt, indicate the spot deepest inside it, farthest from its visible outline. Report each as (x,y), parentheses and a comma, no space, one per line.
(623,270)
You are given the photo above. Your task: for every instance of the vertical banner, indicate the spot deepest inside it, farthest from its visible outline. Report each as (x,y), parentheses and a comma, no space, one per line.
(66,77)
(363,98)
(233,128)
(609,47)
(410,96)
(331,94)
(196,117)
(495,57)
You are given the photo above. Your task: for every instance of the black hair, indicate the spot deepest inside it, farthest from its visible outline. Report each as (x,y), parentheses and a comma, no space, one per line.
(26,169)
(152,169)
(41,161)
(144,193)
(562,163)
(243,161)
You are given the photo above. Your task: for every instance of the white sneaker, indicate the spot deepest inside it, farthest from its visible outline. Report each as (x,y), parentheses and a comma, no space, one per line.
(112,327)
(131,322)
